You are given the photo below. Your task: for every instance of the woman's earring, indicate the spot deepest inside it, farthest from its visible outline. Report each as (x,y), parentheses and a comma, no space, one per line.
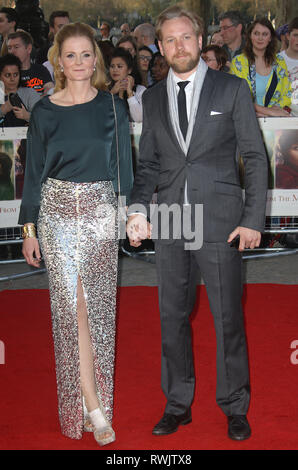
(62,69)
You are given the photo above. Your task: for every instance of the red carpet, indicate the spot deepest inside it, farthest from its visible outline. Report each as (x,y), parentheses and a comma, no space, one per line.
(28,418)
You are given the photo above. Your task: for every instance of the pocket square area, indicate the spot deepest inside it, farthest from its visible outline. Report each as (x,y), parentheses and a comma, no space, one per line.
(213,113)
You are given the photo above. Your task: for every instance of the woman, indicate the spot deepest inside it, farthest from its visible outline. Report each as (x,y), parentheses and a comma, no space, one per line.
(129,43)
(264,70)
(158,67)
(216,39)
(72,170)
(215,57)
(10,74)
(124,84)
(287,166)
(144,56)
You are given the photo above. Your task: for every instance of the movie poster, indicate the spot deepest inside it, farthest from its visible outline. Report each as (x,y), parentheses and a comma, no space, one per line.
(281,141)
(280,137)
(12,169)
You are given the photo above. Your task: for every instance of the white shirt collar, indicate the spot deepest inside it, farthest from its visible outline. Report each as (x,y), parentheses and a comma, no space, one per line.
(190,78)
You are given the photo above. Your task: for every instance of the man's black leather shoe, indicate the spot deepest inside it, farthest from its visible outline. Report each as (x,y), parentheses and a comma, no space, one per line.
(169,423)
(238,427)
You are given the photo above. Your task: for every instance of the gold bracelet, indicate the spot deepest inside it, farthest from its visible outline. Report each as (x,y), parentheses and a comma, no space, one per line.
(28,231)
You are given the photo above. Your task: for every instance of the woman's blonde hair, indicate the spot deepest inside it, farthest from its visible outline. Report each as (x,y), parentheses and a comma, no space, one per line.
(98,79)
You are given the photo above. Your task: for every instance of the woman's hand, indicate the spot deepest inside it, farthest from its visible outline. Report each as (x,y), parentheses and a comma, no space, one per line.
(31,248)
(119,87)
(278,112)
(21,113)
(6,107)
(130,85)
(116,88)
(273,111)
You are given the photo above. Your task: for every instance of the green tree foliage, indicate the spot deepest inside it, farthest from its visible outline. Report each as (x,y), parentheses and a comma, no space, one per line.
(136,11)
(248,8)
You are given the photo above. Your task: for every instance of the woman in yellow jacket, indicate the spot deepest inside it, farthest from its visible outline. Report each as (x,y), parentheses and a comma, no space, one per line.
(264,70)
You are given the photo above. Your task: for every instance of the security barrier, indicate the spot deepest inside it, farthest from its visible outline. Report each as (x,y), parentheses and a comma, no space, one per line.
(281,141)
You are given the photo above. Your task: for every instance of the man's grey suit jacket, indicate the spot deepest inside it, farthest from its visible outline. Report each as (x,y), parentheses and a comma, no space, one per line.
(225,120)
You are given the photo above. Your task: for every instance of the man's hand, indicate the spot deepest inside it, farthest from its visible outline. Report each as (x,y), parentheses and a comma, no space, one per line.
(248,238)
(137,229)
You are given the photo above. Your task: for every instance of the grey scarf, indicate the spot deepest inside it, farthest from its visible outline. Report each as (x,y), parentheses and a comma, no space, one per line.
(173,104)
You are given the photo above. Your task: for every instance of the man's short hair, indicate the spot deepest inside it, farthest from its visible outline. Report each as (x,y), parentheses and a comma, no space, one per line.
(293,24)
(178,12)
(57,14)
(147,29)
(11,14)
(23,35)
(282,31)
(105,23)
(235,17)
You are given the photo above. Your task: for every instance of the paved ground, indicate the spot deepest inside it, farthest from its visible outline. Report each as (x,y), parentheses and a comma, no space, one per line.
(282,269)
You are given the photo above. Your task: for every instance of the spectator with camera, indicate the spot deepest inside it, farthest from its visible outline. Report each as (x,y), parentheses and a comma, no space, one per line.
(124,84)
(19,101)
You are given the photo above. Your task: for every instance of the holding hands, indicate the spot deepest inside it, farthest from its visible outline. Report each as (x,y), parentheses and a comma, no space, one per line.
(137,229)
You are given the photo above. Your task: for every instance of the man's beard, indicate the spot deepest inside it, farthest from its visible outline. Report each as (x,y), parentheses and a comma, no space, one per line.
(185,66)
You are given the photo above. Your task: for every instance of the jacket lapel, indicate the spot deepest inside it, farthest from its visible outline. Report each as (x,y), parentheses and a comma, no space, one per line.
(165,114)
(205,102)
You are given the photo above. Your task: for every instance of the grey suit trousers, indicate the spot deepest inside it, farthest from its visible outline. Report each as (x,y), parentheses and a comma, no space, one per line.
(221,268)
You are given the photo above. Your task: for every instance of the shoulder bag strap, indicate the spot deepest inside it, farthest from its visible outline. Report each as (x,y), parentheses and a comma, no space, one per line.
(117,143)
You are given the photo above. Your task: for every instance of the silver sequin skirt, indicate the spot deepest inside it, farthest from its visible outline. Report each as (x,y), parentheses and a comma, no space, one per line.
(78,238)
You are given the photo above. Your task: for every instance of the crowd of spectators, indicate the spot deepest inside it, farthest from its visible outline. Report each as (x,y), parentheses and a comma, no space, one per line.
(266,58)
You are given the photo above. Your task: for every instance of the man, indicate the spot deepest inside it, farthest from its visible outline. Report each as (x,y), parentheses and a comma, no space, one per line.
(232,31)
(281,33)
(8,25)
(145,36)
(125,29)
(187,149)
(105,31)
(34,76)
(57,19)
(291,57)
